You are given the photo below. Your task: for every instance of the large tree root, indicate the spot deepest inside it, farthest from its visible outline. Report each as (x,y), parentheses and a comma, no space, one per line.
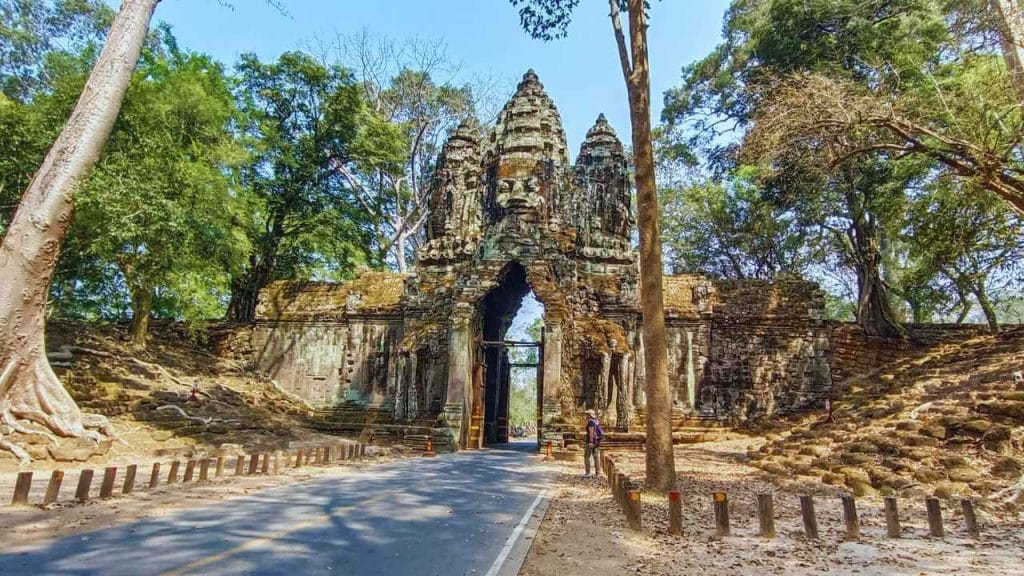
(1015,491)
(187,416)
(34,402)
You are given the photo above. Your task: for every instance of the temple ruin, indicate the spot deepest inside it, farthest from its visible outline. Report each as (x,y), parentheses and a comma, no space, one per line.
(509,214)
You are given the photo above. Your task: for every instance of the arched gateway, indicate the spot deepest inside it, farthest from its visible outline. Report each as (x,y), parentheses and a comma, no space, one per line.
(507,215)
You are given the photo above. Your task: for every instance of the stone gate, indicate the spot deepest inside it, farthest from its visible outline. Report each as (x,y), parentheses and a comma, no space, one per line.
(509,214)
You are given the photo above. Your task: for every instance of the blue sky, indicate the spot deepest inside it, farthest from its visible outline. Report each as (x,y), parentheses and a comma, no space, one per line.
(581,73)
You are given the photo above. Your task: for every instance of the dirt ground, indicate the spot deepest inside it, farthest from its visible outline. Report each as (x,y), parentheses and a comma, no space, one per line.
(584,532)
(26,525)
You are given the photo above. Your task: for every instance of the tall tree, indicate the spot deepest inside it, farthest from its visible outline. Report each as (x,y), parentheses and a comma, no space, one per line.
(1010,24)
(413,88)
(549,19)
(728,229)
(160,205)
(302,120)
(968,243)
(29,390)
(873,42)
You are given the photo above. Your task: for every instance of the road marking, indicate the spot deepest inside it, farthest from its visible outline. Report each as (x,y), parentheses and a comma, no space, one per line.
(255,542)
(503,555)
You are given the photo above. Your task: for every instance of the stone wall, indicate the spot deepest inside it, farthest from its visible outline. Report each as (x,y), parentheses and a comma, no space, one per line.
(328,343)
(750,348)
(855,353)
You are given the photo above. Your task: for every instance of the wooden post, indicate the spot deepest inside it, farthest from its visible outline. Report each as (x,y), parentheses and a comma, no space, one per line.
(298,457)
(240,465)
(172,476)
(204,469)
(721,504)
(84,483)
(327,454)
(633,508)
(766,515)
(129,479)
(220,467)
(970,518)
(190,470)
(892,517)
(850,517)
(277,462)
(810,521)
(254,462)
(619,482)
(675,514)
(53,489)
(21,488)
(154,476)
(107,487)
(934,517)
(362,450)
(265,467)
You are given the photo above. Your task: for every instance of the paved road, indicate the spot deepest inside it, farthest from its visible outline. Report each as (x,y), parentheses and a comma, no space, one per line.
(447,516)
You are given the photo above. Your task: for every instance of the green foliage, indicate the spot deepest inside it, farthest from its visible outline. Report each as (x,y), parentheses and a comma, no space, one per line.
(869,41)
(522,402)
(301,119)
(160,205)
(729,230)
(32,31)
(930,63)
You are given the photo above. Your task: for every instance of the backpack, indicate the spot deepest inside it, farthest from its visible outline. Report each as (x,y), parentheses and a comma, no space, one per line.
(598,433)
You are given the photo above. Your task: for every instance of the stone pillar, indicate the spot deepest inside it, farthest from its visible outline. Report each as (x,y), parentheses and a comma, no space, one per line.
(639,371)
(552,370)
(460,376)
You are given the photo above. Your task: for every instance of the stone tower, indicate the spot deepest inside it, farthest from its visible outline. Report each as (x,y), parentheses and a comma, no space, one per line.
(508,215)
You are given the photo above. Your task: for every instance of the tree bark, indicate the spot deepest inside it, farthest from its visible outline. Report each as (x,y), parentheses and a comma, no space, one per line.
(986,306)
(874,314)
(1011,32)
(142,308)
(245,289)
(660,460)
(29,390)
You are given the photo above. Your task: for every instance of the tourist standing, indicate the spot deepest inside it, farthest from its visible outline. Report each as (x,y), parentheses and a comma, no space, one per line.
(594,436)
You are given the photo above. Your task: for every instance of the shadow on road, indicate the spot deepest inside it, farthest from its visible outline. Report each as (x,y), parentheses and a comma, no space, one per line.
(394,518)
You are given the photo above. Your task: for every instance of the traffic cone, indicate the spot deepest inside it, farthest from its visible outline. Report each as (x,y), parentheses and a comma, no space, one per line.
(551,454)
(429,452)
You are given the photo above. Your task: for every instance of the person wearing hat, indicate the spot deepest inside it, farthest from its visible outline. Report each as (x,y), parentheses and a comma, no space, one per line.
(594,436)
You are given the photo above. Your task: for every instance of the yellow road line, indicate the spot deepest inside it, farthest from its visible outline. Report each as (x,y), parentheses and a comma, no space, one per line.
(261,540)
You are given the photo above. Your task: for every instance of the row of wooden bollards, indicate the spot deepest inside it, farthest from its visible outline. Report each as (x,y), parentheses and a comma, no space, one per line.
(627,495)
(260,463)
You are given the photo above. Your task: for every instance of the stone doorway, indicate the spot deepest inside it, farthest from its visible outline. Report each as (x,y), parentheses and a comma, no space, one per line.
(498,356)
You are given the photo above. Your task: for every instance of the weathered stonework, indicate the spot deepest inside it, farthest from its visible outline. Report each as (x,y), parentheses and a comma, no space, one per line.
(510,214)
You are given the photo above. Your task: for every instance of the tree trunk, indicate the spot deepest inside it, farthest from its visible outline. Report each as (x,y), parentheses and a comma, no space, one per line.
(142,307)
(245,289)
(986,306)
(400,253)
(660,460)
(1011,32)
(874,314)
(29,390)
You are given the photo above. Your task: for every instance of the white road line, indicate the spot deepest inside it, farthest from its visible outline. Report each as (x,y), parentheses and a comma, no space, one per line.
(500,560)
